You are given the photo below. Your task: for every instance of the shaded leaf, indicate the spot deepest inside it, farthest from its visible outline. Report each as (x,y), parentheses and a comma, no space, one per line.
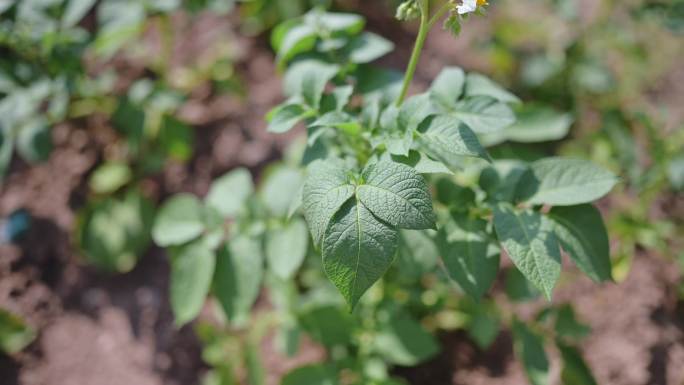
(528,239)
(582,234)
(529,348)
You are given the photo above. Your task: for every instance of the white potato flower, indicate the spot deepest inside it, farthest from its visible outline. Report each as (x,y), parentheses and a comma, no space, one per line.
(469,6)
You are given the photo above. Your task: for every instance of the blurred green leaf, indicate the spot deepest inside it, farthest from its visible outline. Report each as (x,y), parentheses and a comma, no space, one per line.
(464,244)
(417,253)
(567,325)
(192,267)
(480,85)
(113,233)
(176,138)
(529,348)
(575,370)
(109,177)
(368,47)
(15,335)
(404,341)
(280,189)
(229,193)
(179,220)
(329,325)
(518,288)
(34,141)
(310,375)
(238,277)
(286,248)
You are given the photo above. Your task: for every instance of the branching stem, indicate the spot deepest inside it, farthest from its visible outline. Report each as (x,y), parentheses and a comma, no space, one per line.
(426,23)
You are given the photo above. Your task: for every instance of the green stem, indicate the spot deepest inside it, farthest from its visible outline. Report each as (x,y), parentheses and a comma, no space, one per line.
(438,15)
(417,49)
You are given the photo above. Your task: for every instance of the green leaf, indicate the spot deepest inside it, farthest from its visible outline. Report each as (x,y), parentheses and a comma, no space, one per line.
(34,141)
(539,124)
(368,47)
(337,99)
(6,150)
(286,248)
(404,341)
(448,140)
(298,39)
(335,22)
(463,244)
(328,325)
(414,111)
(575,370)
(114,233)
(239,271)
(281,188)
(418,253)
(480,85)
(518,288)
(533,124)
(229,193)
(326,189)
(565,182)
(307,79)
(501,179)
(421,163)
(528,238)
(454,196)
(310,375)
(582,234)
(180,220)
(483,114)
(675,172)
(285,117)
(109,177)
(448,87)
(357,250)
(530,350)
(176,138)
(15,335)
(484,324)
(192,267)
(397,194)
(339,120)
(567,325)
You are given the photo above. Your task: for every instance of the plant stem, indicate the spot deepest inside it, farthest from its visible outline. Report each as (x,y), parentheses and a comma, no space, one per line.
(438,15)
(417,49)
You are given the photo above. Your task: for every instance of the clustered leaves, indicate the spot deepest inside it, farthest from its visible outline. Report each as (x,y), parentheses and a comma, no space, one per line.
(366,155)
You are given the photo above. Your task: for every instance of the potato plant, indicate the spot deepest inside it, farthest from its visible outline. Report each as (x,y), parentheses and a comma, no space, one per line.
(393,199)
